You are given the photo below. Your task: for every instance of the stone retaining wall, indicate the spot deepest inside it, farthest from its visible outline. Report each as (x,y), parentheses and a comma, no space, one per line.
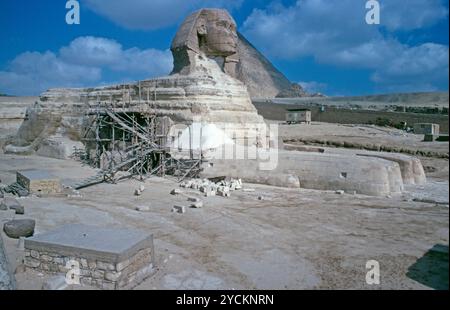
(96,273)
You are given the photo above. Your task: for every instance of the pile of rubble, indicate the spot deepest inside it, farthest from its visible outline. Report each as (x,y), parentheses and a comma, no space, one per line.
(214,187)
(14,189)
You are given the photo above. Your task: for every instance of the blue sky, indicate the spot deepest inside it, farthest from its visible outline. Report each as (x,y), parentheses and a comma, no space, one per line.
(325,45)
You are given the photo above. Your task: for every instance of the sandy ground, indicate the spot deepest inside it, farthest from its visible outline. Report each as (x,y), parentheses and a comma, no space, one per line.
(361,135)
(293,239)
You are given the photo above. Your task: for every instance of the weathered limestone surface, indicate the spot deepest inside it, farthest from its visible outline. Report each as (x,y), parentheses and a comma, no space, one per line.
(207,94)
(51,130)
(352,174)
(411,167)
(107,258)
(19,228)
(12,112)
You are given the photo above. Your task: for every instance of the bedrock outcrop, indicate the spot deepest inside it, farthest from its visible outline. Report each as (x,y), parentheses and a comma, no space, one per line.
(368,175)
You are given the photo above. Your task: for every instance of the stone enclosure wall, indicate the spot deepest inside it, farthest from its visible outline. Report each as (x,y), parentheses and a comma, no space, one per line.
(95,273)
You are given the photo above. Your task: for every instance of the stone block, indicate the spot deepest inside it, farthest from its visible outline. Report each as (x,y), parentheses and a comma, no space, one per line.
(46,258)
(109,285)
(39,182)
(179,209)
(176,192)
(143,208)
(197,205)
(19,228)
(210,194)
(12,204)
(32,262)
(107,257)
(34,254)
(105,266)
(113,276)
(122,265)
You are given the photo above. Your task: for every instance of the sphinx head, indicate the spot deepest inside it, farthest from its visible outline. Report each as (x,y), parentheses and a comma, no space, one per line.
(216,31)
(211,32)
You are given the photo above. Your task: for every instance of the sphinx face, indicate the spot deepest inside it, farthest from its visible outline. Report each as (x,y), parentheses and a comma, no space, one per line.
(218,35)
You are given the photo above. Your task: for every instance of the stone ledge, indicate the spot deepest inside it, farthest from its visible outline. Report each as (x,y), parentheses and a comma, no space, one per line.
(105,258)
(103,244)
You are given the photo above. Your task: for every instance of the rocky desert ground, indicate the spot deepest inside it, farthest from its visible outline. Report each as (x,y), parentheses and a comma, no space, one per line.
(155,174)
(272,238)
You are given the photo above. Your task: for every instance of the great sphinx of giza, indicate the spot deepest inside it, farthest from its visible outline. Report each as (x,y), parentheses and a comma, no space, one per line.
(205,87)
(201,88)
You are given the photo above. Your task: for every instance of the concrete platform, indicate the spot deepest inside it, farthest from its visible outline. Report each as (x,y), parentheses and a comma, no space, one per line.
(105,244)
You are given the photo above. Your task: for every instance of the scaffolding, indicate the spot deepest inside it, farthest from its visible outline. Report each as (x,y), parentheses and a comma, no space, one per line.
(124,143)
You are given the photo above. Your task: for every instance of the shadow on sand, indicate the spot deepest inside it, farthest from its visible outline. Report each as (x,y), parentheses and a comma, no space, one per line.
(432,268)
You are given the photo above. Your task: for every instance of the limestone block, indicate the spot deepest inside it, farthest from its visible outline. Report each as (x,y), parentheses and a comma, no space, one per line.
(19,228)
(193,199)
(32,262)
(197,205)
(12,204)
(34,254)
(179,209)
(105,266)
(176,192)
(211,193)
(143,208)
(74,241)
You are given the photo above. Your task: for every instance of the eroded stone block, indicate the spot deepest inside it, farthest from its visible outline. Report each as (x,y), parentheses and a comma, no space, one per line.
(106,258)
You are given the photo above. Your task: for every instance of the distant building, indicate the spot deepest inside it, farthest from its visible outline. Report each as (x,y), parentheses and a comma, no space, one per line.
(298,116)
(426,129)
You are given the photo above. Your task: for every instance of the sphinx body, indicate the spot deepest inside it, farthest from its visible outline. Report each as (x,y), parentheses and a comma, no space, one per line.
(206,95)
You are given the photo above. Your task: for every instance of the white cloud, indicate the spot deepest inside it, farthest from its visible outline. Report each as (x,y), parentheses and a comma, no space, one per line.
(154,14)
(82,63)
(101,52)
(413,14)
(416,68)
(335,33)
(33,72)
(92,51)
(313,87)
